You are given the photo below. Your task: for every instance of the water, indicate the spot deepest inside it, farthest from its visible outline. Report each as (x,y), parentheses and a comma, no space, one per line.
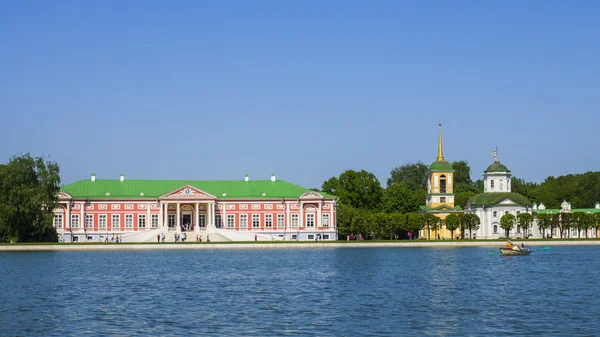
(304,292)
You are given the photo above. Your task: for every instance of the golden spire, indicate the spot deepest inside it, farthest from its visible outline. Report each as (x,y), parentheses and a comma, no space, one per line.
(440,156)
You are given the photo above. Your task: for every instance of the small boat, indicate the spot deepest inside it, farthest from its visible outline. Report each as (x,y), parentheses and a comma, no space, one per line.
(510,252)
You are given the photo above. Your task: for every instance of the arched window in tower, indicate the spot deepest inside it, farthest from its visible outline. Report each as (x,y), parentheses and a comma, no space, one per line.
(443,183)
(492,184)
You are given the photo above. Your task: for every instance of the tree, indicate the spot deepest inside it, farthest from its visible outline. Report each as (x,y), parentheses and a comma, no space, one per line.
(398,198)
(431,221)
(579,222)
(345,215)
(472,222)
(565,221)
(413,176)
(382,224)
(596,223)
(507,222)
(28,196)
(360,190)
(543,222)
(525,221)
(452,222)
(462,173)
(522,187)
(398,222)
(414,222)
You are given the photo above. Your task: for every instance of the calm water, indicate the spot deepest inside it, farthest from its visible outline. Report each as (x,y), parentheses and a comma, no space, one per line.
(324,292)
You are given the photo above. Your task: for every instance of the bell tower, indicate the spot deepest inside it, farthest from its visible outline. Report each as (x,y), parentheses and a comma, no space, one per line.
(440,179)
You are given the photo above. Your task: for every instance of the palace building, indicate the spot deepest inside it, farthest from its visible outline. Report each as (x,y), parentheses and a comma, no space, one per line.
(215,210)
(440,193)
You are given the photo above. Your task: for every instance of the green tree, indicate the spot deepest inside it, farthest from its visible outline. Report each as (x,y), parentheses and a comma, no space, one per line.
(564,223)
(381,224)
(398,198)
(579,222)
(522,187)
(345,215)
(555,222)
(462,173)
(525,221)
(414,223)
(398,222)
(432,223)
(596,223)
(452,222)
(360,190)
(472,223)
(543,222)
(413,176)
(28,196)
(507,222)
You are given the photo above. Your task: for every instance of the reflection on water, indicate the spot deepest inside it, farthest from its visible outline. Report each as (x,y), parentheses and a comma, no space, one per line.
(339,292)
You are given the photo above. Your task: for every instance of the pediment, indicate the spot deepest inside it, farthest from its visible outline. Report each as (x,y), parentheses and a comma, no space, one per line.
(507,202)
(444,208)
(63,195)
(187,192)
(311,195)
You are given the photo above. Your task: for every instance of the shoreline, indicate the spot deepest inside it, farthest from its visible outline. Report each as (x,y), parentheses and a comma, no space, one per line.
(282,245)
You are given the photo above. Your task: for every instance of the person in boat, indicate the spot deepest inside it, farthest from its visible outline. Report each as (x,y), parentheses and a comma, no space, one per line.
(508,244)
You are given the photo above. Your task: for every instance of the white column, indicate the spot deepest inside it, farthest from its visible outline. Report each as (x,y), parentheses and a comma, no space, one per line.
(163,219)
(148,217)
(332,206)
(301,220)
(195,221)
(224,217)
(68,217)
(82,217)
(178,221)
(318,224)
(287,216)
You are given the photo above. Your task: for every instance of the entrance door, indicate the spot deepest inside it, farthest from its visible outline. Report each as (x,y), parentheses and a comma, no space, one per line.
(186,221)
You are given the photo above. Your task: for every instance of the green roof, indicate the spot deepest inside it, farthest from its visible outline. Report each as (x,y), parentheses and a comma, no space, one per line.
(456,208)
(265,189)
(495,198)
(496,167)
(441,165)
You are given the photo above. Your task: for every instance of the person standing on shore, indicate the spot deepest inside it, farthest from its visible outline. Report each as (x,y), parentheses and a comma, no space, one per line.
(409,235)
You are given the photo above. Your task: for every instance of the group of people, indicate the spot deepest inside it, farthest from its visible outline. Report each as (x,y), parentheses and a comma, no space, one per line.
(510,245)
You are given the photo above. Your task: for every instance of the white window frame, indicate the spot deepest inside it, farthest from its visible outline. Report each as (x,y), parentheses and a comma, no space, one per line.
(58,221)
(171,221)
(112,221)
(102,221)
(325,220)
(243,220)
(155,218)
(128,220)
(89,221)
(230,220)
(219,220)
(268,220)
(255,221)
(201,220)
(74,220)
(280,220)
(141,221)
(295,220)
(310,220)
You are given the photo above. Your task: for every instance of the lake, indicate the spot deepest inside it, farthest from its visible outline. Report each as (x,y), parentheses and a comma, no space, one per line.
(463,291)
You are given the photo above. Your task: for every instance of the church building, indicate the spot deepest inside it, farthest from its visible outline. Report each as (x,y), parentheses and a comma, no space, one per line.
(440,193)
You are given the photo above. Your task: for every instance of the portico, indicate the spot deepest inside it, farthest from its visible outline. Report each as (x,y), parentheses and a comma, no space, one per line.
(186,208)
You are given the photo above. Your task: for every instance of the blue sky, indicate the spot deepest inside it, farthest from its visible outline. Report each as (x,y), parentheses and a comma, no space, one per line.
(303,89)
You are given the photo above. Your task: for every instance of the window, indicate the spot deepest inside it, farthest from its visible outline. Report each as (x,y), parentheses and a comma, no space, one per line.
(505,212)
(325,220)
(518,212)
(102,221)
(230,220)
(310,220)
(325,236)
(295,218)
(171,220)
(89,221)
(280,220)
(116,221)
(442,184)
(129,220)
(294,237)
(311,236)
(255,220)
(269,220)
(442,199)
(495,229)
(154,220)
(495,214)
(243,220)
(218,221)
(74,220)
(58,221)
(142,220)
(492,184)
(518,230)
(202,220)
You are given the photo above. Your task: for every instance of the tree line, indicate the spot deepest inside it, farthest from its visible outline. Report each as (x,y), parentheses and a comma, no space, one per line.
(368,208)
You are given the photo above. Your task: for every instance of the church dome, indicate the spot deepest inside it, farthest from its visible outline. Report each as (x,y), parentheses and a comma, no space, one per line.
(496,167)
(441,165)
